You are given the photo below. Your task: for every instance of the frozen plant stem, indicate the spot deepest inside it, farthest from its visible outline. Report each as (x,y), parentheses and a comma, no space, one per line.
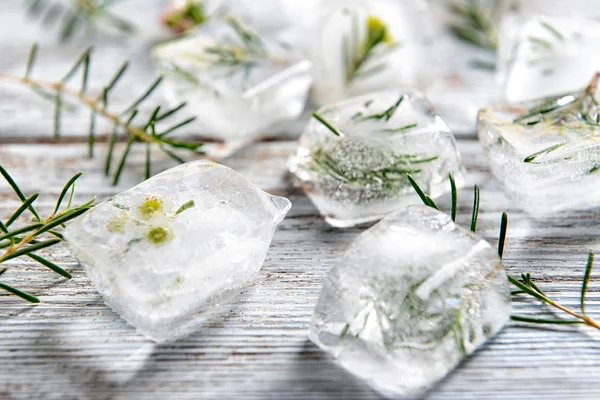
(123,121)
(526,286)
(357,53)
(42,233)
(473,23)
(390,177)
(579,113)
(76,15)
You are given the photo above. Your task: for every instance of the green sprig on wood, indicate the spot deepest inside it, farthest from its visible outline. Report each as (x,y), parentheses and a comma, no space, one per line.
(41,233)
(76,15)
(125,125)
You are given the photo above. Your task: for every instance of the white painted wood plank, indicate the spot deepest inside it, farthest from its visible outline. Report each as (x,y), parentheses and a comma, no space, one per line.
(73,346)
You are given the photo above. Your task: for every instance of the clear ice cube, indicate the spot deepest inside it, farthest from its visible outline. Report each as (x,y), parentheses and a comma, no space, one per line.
(362,46)
(560,8)
(466,81)
(166,252)
(546,153)
(239,83)
(546,56)
(361,175)
(409,300)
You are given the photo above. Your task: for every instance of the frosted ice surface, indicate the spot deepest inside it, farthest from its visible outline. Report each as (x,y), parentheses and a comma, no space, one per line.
(238,83)
(402,32)
(361,176)
(176,245)
(547,152)
(411,298)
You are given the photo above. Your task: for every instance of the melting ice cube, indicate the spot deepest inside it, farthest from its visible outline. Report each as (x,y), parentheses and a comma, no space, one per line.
(411,298)
(175,245)
(239,83)
(359,174)
(547,152)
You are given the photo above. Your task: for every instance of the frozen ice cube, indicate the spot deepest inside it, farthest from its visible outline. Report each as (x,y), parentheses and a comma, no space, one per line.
(363,46)
(174,246)
(361,175)
(561,8)
(547,56)
(238,82)
(546,153)
(410,299)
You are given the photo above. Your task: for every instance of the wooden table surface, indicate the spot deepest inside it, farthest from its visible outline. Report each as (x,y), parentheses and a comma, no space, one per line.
(72,346)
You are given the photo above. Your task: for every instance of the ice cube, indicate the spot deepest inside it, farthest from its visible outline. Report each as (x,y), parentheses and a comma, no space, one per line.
(467,58)
(561,8)
(547,56)
(238,83)
(361,175)
(363,46)
(175,246)
(546,153)
(410,299)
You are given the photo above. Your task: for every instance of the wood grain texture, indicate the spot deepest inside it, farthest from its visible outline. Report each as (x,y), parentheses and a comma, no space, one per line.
(72,346)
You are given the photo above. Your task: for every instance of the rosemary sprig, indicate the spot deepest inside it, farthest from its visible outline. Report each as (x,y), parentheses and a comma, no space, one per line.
(526,286)
(581,112)
(566,109)
(544,43)
(240,51)
(123,121)
(184,16)
(77,15)
(244,48)
(42,233)
(474,22)
(387,114)
(392,175)
(376,42)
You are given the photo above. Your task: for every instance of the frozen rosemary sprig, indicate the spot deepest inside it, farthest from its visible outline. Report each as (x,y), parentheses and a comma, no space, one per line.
(243,48)
(78,14)
(181,17)
(376,42)
(545,44)
(387,114)
(123,121)
(392,175)
(474,22)
(238,52)
(562,110)
(42,233)
(525,286)
(578,112)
